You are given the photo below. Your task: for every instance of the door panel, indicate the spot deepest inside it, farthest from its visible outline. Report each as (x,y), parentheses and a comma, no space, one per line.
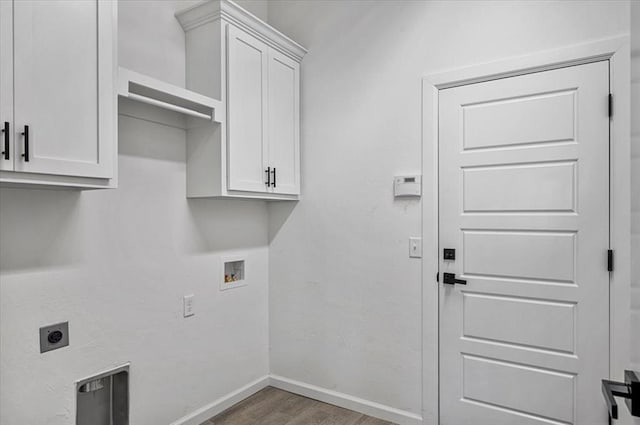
(246,112)
(534,118)
(524,199)
(540,256)
(520,321)
(491,383)
(57,91)
(539,187)
(283,122)
(6,82)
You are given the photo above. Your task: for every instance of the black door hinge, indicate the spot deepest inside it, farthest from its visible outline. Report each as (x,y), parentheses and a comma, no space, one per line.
(610,260)
(610,105)
(438,277)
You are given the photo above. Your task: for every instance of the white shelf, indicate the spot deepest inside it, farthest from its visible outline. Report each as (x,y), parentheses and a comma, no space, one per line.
(145,89)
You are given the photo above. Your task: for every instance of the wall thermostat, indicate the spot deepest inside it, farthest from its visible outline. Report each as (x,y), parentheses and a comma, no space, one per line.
(407,186)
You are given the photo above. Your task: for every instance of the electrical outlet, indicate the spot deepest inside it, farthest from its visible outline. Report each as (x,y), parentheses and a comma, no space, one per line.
(187,304)
(415,247)
(53,337)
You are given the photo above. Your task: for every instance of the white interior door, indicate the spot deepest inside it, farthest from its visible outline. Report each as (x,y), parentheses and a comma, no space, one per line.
(524,200)
(57,89)
(246,111)
(284,133)
(6,85)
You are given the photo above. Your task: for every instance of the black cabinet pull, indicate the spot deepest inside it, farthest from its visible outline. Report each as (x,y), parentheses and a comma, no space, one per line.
(450,279)
(274,177)
(268,171)
(5,130)
(25,133)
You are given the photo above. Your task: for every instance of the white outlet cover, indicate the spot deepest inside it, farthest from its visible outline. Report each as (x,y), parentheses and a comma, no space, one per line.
(187,304)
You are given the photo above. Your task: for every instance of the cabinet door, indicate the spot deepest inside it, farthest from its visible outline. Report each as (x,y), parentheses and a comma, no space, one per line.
(283,124)
(63,63)
(246,111)
(6,85)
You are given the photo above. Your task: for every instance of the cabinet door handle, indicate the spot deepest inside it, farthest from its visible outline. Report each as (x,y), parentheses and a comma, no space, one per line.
(274,176)
(25,133)
(268,171)
(5,130)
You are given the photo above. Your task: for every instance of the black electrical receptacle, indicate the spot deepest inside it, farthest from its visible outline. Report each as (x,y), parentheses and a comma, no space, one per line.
(53,337)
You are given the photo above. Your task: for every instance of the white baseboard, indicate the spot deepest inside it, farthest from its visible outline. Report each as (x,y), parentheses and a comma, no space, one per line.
(336,398)
(223,403)
(346,401)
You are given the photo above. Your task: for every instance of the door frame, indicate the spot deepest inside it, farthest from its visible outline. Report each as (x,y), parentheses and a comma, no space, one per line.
(617,51)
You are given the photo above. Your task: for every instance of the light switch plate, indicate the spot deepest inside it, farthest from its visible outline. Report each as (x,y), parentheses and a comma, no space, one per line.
(188,305)
(415,247)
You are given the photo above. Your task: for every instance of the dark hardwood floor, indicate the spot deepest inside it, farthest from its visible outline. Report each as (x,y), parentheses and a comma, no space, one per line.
(272,406)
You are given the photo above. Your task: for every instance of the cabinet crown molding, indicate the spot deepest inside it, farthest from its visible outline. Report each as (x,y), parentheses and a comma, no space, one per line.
(213,10)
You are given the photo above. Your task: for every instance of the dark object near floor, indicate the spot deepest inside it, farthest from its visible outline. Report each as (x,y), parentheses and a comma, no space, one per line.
(272,406)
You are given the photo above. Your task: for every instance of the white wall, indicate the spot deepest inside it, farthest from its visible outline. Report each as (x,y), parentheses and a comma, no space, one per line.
(344,296)
(635,188)
(117,263)
(157,48)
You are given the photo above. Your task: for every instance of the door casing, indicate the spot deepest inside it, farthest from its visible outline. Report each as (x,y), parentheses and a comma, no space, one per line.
(617,52)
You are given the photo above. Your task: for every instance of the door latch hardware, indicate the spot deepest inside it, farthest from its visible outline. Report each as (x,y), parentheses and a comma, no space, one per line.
(450,279)
(629,390)
(449,254)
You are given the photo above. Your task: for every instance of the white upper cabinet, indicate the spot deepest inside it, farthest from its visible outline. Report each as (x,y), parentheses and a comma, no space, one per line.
(246,110)
(284,123)
(255,71)
(62,114)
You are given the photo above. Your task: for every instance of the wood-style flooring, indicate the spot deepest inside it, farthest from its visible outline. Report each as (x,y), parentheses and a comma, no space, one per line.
(272,406)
